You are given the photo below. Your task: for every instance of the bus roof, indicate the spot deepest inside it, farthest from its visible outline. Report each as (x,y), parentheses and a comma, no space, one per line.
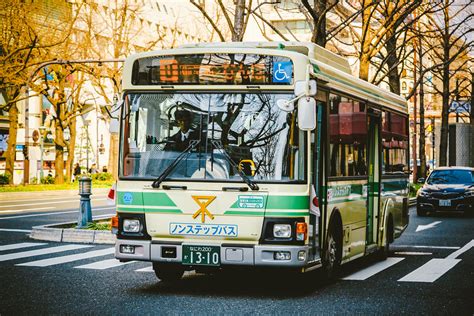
(333,70)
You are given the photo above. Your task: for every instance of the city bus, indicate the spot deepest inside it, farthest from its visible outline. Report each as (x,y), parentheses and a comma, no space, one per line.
(265,155)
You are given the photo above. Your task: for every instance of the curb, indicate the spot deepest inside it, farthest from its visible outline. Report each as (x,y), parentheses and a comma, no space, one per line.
(85,236)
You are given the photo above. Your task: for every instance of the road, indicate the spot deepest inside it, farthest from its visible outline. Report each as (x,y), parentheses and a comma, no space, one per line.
(429,271)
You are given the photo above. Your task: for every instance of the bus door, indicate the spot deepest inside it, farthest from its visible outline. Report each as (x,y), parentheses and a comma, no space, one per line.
(317,180)
(373,188)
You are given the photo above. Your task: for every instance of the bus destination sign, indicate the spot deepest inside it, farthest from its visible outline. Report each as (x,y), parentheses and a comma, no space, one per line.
(213,69)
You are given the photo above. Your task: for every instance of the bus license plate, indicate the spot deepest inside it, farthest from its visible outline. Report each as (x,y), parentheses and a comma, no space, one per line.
(444,202)
(201,255)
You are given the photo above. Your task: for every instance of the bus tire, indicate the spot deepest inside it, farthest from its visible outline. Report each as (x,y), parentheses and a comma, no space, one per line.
(168,272)
(333,251)
(385,249)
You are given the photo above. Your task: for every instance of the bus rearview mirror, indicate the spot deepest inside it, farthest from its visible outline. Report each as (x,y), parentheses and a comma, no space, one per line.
(307,114)
(285,105)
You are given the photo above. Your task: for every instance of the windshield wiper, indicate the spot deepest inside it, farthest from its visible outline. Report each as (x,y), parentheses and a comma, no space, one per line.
(252,185)
(162,177)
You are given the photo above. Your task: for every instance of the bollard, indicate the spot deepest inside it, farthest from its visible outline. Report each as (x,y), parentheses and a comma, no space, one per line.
(85,212)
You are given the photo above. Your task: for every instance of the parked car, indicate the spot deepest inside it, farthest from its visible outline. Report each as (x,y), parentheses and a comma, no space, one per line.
(447,189)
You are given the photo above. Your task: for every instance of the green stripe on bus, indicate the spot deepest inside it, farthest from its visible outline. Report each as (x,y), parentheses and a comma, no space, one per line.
(128,209)
(298,202)
(136,198)
(244,213)
(157,199)
(168,211)
(287,214)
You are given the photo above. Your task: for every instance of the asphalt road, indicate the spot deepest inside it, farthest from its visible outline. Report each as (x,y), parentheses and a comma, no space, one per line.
(429,271)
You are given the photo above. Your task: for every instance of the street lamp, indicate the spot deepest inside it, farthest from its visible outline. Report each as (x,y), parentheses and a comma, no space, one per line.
(85,191)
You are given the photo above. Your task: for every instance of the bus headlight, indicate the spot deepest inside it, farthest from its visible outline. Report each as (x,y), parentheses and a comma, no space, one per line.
(282,230)
(131,225)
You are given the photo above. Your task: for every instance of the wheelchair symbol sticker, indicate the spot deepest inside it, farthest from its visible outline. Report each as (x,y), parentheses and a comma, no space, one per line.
(282,71)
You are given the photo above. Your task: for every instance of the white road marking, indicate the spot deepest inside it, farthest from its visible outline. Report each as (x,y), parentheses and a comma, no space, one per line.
(466,247)
(65,199)
(413,253)
(147,269)
(66,259)
(47,203)
(55,213)
(15,230)
(27,210)
(105,264)
(374,269)
(424,227)
(430,271)
(33,253)
(21,245)
(429,247)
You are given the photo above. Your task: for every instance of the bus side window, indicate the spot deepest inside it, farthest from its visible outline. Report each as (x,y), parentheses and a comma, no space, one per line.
(348,137)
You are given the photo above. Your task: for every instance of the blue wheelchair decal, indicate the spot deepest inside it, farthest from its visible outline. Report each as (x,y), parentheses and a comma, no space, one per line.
(282,71)
(127,198)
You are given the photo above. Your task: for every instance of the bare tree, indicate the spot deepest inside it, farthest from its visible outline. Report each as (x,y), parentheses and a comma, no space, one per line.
(26,41)
(449,46)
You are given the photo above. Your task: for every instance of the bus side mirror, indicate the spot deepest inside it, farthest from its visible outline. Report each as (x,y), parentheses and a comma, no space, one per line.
(307,113)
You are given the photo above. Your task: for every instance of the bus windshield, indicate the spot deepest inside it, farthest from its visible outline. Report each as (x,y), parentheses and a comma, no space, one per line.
(233,134)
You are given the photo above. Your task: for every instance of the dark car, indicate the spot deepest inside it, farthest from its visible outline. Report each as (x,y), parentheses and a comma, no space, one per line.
(447,189)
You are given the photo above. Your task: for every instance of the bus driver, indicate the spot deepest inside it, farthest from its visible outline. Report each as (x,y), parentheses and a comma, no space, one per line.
(180,140)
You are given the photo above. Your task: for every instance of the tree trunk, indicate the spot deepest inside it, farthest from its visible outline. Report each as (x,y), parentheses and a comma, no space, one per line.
(11,149)
(392,63)
(319,31)
(443,146)
(59,158)
(239,21)
(364,65)
(71,146)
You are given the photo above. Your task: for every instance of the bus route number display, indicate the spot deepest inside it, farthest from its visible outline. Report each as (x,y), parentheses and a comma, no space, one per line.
(217,69)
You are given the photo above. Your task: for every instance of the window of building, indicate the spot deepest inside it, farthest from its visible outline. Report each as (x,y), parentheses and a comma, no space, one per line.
(347,137)
(394,143)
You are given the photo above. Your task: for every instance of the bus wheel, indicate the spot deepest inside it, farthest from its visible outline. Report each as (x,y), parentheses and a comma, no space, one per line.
(333,252)
(385,249)
(167,272)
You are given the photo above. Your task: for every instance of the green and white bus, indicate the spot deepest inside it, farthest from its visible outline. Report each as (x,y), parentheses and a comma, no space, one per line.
(257,154)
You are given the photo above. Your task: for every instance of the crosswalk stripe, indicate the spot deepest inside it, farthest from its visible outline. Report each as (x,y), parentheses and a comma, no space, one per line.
(70,258)
(104,264)
(21,245)
(374,269)
(430,271)
(147,269)
(32,253)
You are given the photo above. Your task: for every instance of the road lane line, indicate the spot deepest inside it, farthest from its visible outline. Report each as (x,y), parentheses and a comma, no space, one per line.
(46,203)
(466,247)
(105,264)
(55,213)
(26,210)
(429,247)
(46,251)
(15,230)
(70,258)
(374,269)
(430,271)
(413,253)
(65,199)
(147,269)
(21,245)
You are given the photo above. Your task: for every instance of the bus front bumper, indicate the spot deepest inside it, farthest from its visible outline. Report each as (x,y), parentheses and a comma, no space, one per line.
(247,255)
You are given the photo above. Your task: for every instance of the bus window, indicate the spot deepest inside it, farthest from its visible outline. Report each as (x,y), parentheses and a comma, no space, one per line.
(347,137)
(394,143)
